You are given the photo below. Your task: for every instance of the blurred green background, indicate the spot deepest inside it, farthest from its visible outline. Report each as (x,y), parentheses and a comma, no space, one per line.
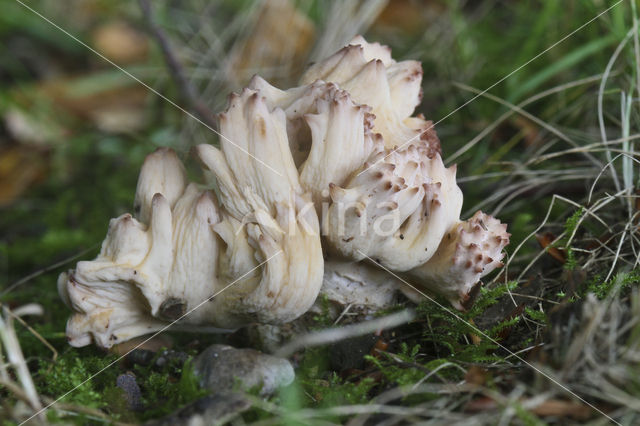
(74,130)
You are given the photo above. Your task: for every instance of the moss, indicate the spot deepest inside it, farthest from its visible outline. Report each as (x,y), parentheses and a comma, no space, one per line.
(92,178)
(570,227)
(619,282)
(338,391)
(163,390)
(71,375)
(489,297)
(536,315)
(323,319)
(449,331)
(402,368)
(527,418)
(167,389)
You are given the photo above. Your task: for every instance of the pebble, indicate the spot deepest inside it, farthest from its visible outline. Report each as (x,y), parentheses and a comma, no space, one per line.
(127,382)
(221,367)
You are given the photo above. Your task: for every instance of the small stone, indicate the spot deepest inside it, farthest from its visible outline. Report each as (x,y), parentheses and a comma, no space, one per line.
(127,382)
(221,367)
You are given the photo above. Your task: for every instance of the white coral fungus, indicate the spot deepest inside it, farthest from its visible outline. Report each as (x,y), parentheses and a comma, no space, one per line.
(308,184)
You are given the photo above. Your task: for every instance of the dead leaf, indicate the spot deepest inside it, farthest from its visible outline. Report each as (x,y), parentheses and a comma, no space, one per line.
(408,16)
(530,130)
(516,312)
(20,167)
(278,44)
(118,119)
(24,129)
(476,375)
(545,241)
(112,102)
(480,404)
(560,408)
(474,337)
(154,344)
(379,346)
(120,42)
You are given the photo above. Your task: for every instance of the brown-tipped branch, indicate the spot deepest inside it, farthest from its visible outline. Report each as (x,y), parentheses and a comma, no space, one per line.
(176,69)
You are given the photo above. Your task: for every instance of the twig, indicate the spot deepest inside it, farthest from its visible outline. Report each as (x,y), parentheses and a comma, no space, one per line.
(331,335)
(35,333)
(16,359)
(47,269)
(15,390)
(410,389)
(344,312)
(66,408)
(531,117)
(187,91)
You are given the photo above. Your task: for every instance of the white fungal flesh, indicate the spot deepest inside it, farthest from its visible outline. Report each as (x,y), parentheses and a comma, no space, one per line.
(361,66)
(338,160)
(469,251)
(396,210)
(363,286)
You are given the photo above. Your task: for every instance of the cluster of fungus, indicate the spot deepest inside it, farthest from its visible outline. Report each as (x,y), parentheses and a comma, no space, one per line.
(311,190)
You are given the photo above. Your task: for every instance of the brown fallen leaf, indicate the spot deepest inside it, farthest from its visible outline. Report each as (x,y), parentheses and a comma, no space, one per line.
(114,103)
(476,375)
(480,404)
(27,130)
(545,240)
(118,119)
(20,167)
(408,16)
(380,345)
(280,42)
(530,130)
(517,311)
(154,344)
(120,42)
(474,337)
(560,408)
(549,408)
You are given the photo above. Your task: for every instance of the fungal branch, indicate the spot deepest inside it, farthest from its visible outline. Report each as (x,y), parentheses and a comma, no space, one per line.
(342,194)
